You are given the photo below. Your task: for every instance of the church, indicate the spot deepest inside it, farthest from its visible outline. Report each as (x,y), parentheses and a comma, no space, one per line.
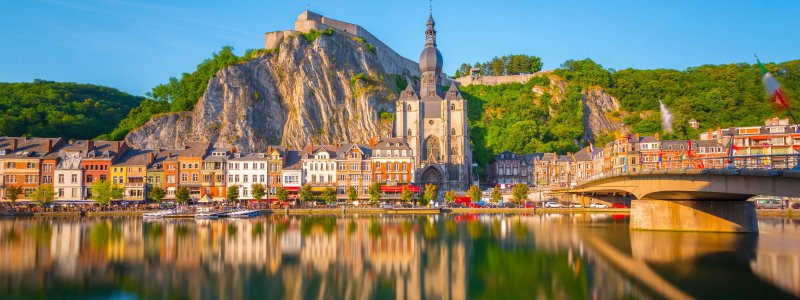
(434,123)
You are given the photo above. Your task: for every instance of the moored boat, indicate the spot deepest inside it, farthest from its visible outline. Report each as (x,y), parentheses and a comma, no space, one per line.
(243,213)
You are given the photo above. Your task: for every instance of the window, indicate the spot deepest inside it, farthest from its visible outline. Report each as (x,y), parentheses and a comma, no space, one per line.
(244,178)
(452,106)
(48,168)
(409,108)
(409,131)
(171,179)
(184,177)
(60,178)
(31,165)
(453,131)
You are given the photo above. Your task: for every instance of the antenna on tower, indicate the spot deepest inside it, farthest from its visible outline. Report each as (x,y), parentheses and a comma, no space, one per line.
(430,6)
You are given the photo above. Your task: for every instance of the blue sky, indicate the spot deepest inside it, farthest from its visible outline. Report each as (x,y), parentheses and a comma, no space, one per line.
(134,45)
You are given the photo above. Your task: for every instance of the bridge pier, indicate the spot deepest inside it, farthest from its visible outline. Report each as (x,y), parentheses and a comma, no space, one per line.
(694,215)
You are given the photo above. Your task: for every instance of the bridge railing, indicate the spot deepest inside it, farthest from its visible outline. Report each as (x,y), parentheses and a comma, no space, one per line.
(746,162)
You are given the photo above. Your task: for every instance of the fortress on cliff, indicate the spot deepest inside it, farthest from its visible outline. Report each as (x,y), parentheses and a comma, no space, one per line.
(308,20)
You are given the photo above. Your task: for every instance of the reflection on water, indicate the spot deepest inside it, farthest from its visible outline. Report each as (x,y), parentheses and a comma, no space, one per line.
(497,256)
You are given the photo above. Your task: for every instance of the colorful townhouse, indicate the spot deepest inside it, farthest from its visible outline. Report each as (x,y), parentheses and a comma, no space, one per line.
(23,162)
(68,182)
(292,177)
(190,162)
(130,172)
(275,172)
(393,162)
(214,170)
(354,170)
(171,168)
(777,136)
(155,173)
(509,168)
(97,160)
(319,166)
(584,164)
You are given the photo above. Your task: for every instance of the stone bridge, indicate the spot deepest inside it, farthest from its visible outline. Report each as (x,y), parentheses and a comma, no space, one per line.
(694,200)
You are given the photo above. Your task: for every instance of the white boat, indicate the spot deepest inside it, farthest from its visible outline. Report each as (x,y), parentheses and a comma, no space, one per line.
(207,215)
(243,213)
(158,214)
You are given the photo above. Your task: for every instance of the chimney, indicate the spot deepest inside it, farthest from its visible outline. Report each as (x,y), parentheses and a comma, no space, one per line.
(656,135)
(48,145)
(116,147)
(150,157)
(269,150)
(13,146)
(637,138)
(372,142)
(89,145)
(710,134)
(233,150)
(169,154)
(719,133)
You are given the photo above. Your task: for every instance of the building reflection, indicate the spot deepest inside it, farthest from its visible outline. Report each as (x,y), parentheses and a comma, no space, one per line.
(427,257)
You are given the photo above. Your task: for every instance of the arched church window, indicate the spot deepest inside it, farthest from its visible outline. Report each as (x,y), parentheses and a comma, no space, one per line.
(409,106)
(453,131)
(409,131)
(453,151)
(432,152)
(452,106)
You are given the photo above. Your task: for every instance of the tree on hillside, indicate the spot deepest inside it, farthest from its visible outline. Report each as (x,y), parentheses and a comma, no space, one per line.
(465,69)
(157,194)
(520,193)
(474,193)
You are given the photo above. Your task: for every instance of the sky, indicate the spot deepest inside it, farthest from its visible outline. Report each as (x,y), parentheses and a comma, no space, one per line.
(135,45)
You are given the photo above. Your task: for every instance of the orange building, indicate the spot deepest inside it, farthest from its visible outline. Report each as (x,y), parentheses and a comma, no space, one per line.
(23,160)
(214,166)
(275,161)
(190,163)
(97,161)
(171,169)
(354,170)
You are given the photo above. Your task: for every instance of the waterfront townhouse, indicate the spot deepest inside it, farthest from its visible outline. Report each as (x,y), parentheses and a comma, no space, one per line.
(545,169)
(676,154)
(584,164)
(190,163)
(354,170)
(246,169)
(292,172)
(565,170)
(97,160)
(625,156)
(319,166)
(393,162)
(24,163)
(275,172)
(214,170)
(714,154)
(172,173)
(155,172)
(132,166)
(649,148)
(68,176)
(509,168)
(777,136)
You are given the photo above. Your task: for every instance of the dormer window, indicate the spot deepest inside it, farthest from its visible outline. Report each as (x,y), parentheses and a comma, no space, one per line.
(453,105)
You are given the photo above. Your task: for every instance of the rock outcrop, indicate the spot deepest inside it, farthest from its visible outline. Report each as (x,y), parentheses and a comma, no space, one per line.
(597,106)
(329,90)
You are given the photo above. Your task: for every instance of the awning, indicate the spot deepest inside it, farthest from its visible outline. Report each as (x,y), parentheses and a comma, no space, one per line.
(399,188)
(291,188)
(205,199)
(463,199)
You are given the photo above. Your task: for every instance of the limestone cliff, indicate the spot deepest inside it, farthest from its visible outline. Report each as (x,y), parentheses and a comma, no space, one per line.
(329,90)
(597,108)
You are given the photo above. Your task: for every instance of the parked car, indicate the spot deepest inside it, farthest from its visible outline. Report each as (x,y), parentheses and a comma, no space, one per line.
(575,205)
(598,205)
(619,205)
(796,205)
(529,204)
(767,203)
(551,204)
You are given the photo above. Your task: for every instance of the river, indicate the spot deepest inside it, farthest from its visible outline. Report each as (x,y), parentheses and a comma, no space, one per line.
(468,256)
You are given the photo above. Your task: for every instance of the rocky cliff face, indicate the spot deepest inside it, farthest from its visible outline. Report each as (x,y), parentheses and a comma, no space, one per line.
(327,91)
(597,105)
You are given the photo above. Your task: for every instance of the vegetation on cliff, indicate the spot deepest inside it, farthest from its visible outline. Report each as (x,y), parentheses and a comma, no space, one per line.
(505,65)
(61,109)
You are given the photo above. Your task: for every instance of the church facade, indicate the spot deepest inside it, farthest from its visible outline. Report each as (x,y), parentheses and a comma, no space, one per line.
(434,123)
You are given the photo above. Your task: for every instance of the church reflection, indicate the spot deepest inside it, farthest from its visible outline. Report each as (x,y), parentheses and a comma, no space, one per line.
(427,257)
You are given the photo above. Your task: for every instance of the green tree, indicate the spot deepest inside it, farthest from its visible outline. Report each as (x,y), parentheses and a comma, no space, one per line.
(474,193)
(429,195)
(498,68)
(374,192)
(306,194)
(329,195)
(101,192)
(520,193)
(232,194)
(117,192)
(258,192)
(157,194)
(352,194)
(450,196)
(406,195)
(281,194)
(182,195)
(44,195)
(12,194)
(496,194)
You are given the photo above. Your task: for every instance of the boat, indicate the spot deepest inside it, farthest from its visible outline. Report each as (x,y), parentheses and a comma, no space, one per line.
(159,214)
(247,213)
(207,215)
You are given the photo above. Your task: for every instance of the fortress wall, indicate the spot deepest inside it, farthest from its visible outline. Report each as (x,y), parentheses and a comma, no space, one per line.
(494,80)
(273,39)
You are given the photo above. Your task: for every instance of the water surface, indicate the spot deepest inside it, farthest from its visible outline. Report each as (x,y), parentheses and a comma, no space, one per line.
(492,256)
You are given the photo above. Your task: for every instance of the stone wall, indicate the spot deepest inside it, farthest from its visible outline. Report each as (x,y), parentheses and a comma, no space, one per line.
(273,39)
(495,80)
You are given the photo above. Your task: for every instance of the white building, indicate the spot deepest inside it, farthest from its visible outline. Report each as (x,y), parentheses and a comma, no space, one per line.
(319,165)
(246,169)
(68,175)
(292,172)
